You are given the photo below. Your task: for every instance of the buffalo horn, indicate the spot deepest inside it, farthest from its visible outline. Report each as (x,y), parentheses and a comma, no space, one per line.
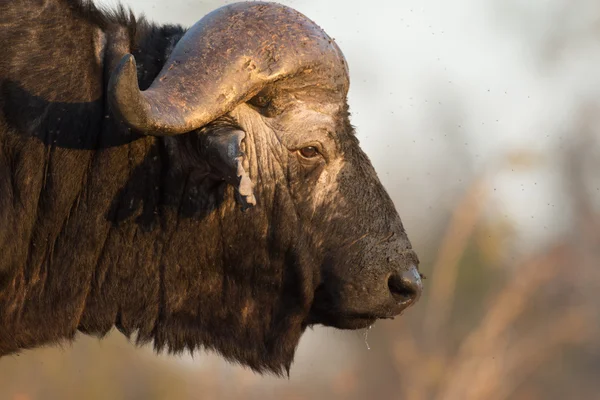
(225,59)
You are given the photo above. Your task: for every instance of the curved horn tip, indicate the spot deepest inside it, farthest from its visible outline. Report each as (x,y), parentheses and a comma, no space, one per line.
(125,70)
(124,93)
(128,62)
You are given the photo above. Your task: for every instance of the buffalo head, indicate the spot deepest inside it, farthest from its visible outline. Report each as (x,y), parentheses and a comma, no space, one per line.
(254,96)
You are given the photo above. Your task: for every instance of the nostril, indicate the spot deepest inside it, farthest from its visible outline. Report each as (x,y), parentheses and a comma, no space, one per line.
(400,290)
(405,286)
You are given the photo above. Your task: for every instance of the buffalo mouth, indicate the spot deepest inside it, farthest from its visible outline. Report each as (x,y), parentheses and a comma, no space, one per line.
(326,311)
(340,321)
(344,320)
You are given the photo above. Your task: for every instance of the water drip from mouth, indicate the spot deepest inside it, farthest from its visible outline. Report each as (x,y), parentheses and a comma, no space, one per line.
(366,335)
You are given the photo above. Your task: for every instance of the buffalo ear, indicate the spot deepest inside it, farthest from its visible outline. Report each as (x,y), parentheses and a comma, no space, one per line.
(222,150)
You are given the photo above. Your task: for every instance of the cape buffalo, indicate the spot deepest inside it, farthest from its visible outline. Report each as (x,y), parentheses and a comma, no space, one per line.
(198,189)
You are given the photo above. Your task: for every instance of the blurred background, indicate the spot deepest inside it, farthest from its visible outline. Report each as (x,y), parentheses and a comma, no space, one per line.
(482,118)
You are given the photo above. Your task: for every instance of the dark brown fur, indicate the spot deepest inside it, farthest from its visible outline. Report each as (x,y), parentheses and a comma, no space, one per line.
(101,227)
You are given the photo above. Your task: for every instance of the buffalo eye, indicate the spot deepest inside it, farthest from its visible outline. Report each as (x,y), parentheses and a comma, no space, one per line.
(260,101)
(309,152)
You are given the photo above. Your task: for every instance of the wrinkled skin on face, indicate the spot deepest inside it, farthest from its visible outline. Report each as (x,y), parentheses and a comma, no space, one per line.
(357,237)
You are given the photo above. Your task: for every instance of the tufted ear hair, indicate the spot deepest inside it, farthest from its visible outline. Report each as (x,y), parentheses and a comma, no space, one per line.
(221,149)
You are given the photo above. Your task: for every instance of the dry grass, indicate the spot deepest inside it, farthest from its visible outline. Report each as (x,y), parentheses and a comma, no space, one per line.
(498,355)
